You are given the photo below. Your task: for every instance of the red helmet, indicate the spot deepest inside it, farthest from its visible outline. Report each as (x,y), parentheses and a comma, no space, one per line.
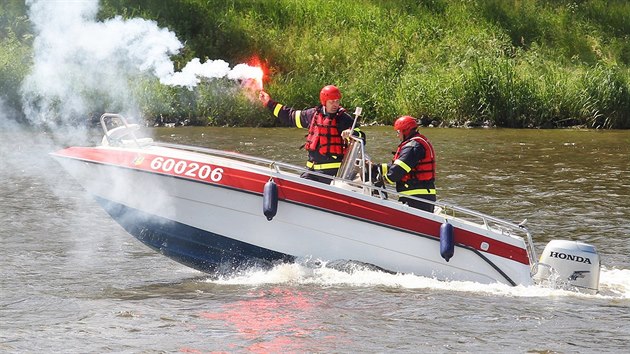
(330,92)
(405,124)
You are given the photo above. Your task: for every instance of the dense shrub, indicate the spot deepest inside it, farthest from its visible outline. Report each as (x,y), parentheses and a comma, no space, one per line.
(524,63)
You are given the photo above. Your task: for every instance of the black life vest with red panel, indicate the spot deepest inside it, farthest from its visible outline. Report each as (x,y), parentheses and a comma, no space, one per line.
(323,134)
(425,169)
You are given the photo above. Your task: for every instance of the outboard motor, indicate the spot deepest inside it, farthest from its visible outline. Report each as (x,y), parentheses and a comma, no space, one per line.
(574,265)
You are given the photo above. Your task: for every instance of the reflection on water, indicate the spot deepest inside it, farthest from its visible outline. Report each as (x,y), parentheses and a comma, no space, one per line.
(275,320)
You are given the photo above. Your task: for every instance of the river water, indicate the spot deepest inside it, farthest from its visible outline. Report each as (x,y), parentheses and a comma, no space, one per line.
(73,281)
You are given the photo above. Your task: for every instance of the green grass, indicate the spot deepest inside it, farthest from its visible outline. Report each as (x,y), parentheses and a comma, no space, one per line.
(512,63)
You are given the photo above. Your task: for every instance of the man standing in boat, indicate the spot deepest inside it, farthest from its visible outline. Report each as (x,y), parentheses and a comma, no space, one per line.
(413,167)
(329,126)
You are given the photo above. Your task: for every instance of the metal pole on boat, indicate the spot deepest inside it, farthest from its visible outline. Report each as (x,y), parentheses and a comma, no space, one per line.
(357,113)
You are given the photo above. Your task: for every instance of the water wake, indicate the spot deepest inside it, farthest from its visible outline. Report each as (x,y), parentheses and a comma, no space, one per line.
(614,283)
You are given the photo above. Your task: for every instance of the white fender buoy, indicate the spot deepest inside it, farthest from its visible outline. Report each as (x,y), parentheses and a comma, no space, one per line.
(270,199)
(447,242)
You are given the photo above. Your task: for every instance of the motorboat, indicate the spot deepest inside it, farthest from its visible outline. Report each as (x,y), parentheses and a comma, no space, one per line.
(220,212)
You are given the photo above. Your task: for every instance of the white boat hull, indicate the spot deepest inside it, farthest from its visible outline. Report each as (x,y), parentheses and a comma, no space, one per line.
(218,225)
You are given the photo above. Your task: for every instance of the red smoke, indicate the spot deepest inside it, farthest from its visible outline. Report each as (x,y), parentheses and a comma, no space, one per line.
(256,62)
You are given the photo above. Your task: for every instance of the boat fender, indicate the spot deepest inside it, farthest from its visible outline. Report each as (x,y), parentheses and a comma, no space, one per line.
(270,199)
(447,242)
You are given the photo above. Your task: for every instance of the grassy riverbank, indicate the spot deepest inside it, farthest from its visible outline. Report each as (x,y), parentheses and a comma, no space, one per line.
(506,63)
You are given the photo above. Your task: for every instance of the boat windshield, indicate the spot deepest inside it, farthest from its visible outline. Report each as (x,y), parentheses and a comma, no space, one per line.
(118,132)
(354,162)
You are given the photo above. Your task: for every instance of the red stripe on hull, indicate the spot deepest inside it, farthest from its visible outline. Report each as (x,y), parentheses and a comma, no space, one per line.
(290,192)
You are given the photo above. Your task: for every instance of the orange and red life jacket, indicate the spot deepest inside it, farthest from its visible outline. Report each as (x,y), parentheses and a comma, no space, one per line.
(324,135)
(425,169)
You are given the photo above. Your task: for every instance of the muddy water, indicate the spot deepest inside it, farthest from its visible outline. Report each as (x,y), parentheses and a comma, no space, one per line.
(71,280)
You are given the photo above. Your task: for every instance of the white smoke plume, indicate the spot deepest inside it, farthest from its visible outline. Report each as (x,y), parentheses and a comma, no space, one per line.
(78,60)
(194,71)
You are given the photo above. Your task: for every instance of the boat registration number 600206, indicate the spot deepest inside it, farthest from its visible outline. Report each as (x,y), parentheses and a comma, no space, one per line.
(188,169)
